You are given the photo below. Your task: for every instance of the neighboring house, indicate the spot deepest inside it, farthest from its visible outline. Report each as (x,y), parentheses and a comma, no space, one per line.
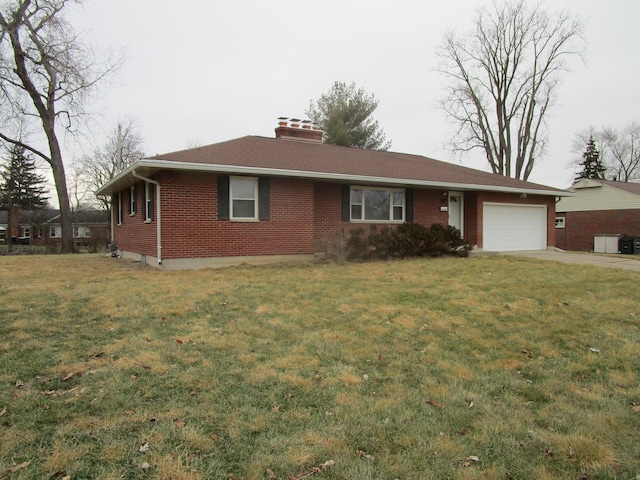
(598,207)
(270,199)
(42,227)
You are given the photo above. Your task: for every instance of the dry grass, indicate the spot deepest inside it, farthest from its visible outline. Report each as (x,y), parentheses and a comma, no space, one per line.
(476,368)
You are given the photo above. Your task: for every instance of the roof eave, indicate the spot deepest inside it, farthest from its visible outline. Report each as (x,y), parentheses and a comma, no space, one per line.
(155,165)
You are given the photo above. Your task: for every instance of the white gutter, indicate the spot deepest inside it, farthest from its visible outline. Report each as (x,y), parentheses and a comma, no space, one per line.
(159,222)
(231,169)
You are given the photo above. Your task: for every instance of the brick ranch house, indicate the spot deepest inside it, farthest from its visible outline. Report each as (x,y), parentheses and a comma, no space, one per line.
(598,207)
(257,199)
(42,227)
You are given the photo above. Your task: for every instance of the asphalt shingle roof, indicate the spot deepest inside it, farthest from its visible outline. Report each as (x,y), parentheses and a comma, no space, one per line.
(298,156)
(253,155)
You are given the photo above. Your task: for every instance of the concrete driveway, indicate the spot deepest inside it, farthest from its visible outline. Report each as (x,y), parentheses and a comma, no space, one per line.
(625,262)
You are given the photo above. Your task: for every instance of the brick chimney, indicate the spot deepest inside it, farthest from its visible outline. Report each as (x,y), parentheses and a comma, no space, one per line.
(298,130)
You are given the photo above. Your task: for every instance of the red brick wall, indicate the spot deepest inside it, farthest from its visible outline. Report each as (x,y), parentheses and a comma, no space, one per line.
(191,229)
(134,234)
(581,227)
(472,215)
(305,218)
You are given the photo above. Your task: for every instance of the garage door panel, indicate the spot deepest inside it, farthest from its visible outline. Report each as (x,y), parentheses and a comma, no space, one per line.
(508,227)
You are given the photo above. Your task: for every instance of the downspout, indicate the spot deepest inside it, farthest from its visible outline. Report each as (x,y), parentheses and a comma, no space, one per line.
(159,222)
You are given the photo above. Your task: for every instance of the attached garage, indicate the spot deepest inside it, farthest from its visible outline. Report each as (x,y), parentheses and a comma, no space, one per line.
(510,227)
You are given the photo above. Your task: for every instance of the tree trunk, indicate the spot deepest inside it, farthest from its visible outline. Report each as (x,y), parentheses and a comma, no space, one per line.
(57,166)
(63,198)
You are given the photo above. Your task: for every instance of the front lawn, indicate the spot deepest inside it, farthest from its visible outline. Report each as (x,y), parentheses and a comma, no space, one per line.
(492,368)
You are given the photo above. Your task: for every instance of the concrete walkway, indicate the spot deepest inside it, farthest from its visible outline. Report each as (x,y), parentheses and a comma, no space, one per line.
(625,262)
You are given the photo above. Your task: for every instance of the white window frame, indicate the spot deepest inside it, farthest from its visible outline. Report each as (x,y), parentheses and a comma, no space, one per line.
(363,206)
(255,199)
(132,200)
(119,209)
(560,222)
(26,232)
(81,232)
(55,232)
(148,202)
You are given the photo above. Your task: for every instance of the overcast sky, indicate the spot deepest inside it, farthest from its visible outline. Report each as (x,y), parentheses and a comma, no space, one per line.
(201,72)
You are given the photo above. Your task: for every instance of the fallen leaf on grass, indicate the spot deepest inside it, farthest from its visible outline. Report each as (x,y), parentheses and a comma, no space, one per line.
(60,476)
(19,467)
(470,460)
(3,411)
(433,403)
(68,376)
(636,408)
(128,412)
(271,475)
(19,384)
(144,448)
(595,350)
(364,455)
(179,341)
(313,470)
(179,423)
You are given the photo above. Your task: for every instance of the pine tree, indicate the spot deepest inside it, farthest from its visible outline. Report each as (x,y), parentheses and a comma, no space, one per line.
(592,167)
(21,183)
(344,114)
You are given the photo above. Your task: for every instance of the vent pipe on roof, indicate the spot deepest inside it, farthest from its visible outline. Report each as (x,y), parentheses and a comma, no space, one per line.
(291,129)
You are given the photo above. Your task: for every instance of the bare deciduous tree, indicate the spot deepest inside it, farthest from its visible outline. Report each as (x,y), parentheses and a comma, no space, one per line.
(619,150)
(123,147)
(623,152)
(46,74)
(501,81)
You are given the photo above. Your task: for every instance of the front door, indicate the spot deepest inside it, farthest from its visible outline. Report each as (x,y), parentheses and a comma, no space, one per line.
(456,211)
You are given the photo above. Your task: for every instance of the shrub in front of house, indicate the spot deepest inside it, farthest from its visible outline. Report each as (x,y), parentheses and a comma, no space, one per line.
(406,240)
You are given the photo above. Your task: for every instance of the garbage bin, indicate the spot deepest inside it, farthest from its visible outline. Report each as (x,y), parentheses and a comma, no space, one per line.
(626,245)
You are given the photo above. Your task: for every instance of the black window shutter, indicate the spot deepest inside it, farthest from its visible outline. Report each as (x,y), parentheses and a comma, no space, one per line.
(346,203)
(223,197)
(264,198)
(408,199)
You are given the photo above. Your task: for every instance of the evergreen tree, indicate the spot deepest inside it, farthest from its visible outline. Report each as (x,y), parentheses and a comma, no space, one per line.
(21,183)
(344,114)
(592,167)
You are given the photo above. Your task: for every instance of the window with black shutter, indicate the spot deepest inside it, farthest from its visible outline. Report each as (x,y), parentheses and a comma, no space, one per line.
(244,198)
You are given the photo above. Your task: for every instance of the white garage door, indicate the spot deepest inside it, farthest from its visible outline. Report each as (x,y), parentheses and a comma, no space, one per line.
(507,227)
